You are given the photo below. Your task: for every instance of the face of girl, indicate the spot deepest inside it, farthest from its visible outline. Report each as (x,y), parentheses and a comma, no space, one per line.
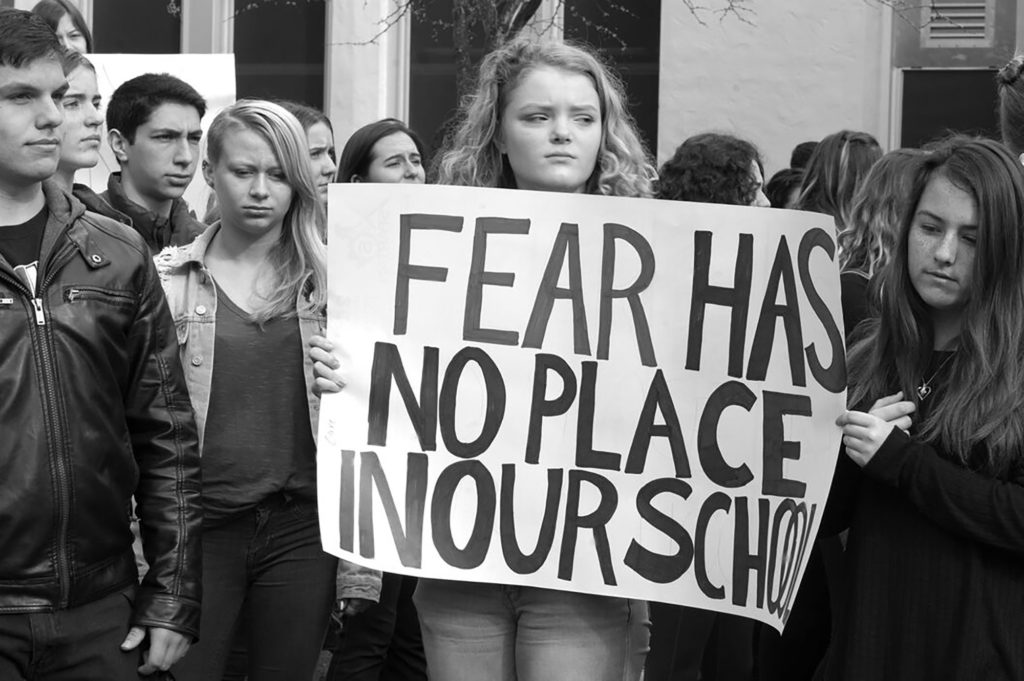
(940,246)
(395,158)
(551,130)
(252,191)
(759,200)
(81,130)
(321,154)
(70,37)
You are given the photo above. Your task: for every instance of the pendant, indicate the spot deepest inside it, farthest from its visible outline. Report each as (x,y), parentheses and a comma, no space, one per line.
(923,391)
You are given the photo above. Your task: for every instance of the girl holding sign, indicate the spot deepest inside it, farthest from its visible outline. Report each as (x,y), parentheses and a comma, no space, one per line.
(936,543)
(383,641)
(246,297)
(383,151)
(547,117)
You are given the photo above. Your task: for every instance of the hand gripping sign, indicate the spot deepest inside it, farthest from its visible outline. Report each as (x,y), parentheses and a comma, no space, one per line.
(618,396)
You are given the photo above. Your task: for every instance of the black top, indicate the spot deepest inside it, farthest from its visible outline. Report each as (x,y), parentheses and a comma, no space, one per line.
(853,286)
(258,438)
(20,244)
(936,559)
(180,228)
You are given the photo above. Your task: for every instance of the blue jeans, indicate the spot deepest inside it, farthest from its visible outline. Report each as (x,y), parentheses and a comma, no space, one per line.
(475,631)
(69,645)
(269,558)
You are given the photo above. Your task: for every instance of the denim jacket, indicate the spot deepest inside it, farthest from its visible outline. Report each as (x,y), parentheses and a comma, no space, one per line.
(192,297)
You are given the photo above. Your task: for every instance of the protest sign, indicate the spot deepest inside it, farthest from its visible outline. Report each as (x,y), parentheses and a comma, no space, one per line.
(625,397)
(213,77)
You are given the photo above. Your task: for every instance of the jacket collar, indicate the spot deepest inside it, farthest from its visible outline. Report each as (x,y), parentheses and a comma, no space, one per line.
(95,203)
(158,231)
(192,255)
(174,258)
(195,252)
(63,210)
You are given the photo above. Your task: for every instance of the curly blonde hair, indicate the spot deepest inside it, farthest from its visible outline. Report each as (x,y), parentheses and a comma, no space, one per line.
(472,158)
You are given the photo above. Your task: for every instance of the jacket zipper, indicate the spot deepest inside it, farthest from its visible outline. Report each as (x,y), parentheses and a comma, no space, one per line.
(40,338)
(83,292)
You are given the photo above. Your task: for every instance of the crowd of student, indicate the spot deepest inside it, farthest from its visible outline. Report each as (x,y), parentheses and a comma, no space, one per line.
(133,336)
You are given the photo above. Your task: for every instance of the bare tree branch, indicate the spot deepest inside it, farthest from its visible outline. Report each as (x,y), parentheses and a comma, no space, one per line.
(913,11)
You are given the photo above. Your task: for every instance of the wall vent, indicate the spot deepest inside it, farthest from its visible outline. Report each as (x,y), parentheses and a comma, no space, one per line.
(947,23)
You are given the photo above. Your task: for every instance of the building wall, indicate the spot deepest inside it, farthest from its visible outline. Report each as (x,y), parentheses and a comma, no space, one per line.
(803,69)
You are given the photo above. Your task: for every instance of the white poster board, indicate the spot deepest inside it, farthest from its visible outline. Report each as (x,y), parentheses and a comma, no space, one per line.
(212,75)
(618,396)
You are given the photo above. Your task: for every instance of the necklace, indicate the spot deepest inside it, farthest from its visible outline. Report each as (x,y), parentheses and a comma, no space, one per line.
(925,389)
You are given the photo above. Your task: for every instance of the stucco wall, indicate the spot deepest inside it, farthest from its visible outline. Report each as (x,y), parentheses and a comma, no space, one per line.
(804,69)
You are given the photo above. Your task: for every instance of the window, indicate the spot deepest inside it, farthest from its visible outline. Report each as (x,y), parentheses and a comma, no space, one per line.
(116,27)
(279,51)
(628,35)
(938,102)
(433,97)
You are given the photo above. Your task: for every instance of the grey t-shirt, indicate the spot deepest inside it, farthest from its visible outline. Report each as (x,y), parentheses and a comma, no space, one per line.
(258,439)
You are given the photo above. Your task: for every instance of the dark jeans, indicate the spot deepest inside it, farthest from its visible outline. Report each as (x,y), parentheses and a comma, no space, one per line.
(70,645)
(796,654)
(270,558)
(688,644)
(383,642)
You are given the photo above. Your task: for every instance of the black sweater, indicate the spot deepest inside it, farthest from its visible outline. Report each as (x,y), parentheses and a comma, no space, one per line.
(936,555)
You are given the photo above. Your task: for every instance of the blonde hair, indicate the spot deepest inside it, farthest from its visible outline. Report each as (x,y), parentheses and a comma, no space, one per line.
(299,259)
(835,172)
(869,236)
(472,157)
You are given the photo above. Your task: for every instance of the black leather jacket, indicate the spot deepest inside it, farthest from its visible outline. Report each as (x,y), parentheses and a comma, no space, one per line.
(94,409)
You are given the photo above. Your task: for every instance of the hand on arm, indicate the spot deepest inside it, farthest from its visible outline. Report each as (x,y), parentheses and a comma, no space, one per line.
(864,432)
(352,606)
(166,647)
(327,378)
(974,505)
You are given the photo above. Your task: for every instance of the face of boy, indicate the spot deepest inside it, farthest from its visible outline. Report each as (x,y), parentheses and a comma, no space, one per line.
(160,162)
(30,114)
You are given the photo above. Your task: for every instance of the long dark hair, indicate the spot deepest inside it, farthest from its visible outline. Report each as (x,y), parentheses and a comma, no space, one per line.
(982,402)
(54,10)
(358,151)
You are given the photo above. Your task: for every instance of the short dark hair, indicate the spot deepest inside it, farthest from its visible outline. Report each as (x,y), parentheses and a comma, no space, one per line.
(711,168)
(782,185)
(802,154)
(25,38)
(135,100)
(54,10)
(355,157)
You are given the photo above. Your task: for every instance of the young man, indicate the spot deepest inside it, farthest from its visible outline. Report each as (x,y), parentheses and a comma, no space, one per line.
(153,129)
(93,409)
